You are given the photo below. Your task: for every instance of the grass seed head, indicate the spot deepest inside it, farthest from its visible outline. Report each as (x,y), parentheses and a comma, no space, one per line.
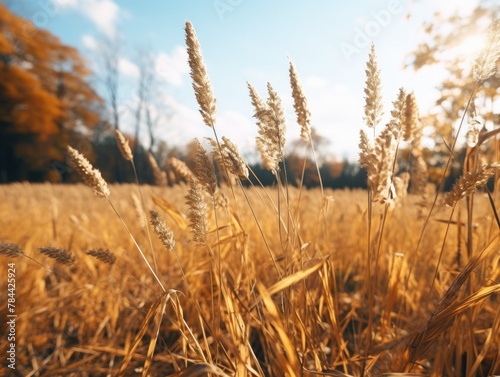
(104,255)
(60,255)
(123,146)
(92,177)
(11,250)
(164,233)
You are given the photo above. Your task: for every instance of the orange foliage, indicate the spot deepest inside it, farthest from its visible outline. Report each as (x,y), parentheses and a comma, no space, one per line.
(44,96)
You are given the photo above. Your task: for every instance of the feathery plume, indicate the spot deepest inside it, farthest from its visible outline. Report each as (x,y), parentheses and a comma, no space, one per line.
(159,175)
(180,168)
(267,161)
(164,233)
(469,182)
(201,82)
(104,255)
(60,255)
(233,159)
(123,146)
(398,112)
(300,105)
(197,213)
(485,63)
(373,91)
(411,118)
(204,170)
(271,126)
(229,157)
(10,249)
(92,177)
(138,210)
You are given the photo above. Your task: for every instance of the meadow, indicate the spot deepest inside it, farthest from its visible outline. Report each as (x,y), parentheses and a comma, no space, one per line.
(211,276)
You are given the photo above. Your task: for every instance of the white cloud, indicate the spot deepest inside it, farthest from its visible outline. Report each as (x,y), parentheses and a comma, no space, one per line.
(172,68)
(67,3)
(128,68)
(103,13)
(333,108)
(314,82)
(239,128)
(89,42)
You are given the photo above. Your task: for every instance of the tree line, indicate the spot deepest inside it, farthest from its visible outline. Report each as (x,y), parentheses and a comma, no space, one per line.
(48,101)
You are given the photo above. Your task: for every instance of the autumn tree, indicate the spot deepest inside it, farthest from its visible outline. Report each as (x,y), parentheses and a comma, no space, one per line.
(45,99)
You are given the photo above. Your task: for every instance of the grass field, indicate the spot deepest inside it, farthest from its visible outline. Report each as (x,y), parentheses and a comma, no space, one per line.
(310,311)
(229,279)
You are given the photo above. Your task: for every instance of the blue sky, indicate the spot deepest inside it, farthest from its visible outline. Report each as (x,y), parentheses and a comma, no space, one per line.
(251,40)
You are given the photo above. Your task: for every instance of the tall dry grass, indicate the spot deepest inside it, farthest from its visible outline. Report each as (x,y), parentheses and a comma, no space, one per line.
(241,280)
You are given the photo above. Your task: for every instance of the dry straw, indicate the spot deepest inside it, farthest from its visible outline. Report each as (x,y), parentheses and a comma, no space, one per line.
(159,175)
(378,160)
(92,177)
(469,182)
(11,250)
(123,146)
(164,233)
(271,126)
(180,168)
(373,91)
(201,82)
(300,105)
(197,213)
(104,255)
(204,170)
(60,255)
(411,118)
(229,157)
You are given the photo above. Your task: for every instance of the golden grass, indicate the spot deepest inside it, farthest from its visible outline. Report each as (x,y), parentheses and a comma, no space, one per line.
(102,319)
(250,281)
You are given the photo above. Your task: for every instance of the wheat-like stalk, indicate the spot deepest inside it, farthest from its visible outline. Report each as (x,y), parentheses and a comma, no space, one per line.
(411,118)
(271,126)
(398,113)
(229,157)
(164,233)
(197,213)
(159,175)
(104,255)
(373,91)
(123,146)
(11,249)
(180,168)
(92,177)
(201,82)
(204,170)
(59,254)
(485,64)
(300,105)
(266,159)
(379,160)
(469,182)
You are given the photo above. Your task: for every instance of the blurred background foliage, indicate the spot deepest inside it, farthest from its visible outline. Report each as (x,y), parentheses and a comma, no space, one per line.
(48,100)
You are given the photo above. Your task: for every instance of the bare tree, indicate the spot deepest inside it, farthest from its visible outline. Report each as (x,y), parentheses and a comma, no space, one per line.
(147,94)
(109,50)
